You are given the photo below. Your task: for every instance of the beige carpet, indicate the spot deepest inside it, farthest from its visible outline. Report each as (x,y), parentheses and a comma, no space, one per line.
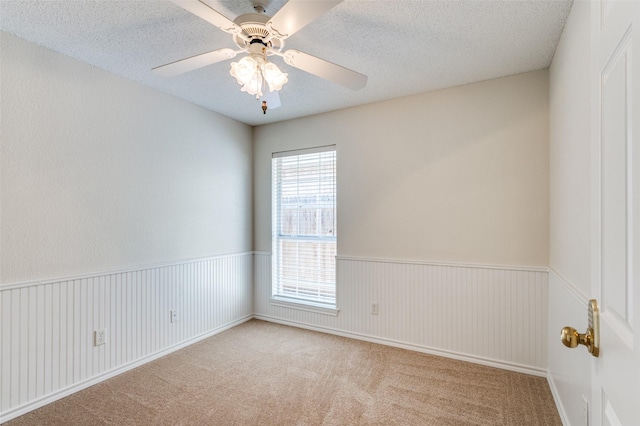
(260,373)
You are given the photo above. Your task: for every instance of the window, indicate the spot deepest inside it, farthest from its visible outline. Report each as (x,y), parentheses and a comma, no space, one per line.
(304,226)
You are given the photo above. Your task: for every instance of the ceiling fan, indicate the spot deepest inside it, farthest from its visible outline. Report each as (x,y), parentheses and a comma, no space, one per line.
(262,36)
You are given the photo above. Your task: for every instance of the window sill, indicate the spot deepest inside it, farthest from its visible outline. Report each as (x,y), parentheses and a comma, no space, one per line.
(303,306)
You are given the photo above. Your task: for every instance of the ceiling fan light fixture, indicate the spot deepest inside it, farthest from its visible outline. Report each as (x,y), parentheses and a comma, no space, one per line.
(250,72)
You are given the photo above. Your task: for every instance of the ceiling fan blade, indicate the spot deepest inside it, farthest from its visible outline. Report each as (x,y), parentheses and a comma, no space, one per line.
(210,15)
(194,62)
(296,14)
(325,69)
(272,99)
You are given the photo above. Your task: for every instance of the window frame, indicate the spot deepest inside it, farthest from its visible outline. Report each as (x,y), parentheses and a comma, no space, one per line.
(281,299)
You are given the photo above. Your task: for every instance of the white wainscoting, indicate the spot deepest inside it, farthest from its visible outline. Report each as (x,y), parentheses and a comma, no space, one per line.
(569,374)
(46,328)
(491,315)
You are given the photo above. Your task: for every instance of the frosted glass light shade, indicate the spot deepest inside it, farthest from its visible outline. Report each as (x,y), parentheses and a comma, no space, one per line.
(274,77)
(244,70)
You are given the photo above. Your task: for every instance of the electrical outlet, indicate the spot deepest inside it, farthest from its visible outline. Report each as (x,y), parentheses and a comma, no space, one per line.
(99,337)
(374,308)
(174,316)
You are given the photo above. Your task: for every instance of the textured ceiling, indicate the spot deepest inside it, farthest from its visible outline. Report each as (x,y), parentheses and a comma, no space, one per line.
(405,47)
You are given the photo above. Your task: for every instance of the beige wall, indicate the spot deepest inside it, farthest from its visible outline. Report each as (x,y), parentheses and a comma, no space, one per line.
(100,173)
(454,175)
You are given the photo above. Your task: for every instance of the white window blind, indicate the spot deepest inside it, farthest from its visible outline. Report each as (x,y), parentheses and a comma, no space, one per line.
(304,225)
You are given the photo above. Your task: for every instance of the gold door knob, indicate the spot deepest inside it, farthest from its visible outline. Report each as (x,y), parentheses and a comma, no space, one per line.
(591,339)
(570,337)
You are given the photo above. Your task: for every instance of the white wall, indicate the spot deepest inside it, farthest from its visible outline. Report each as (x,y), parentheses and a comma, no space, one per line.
(569,157)
(118,205)
(570,209)
(427,183)
(100,173)
(453,175)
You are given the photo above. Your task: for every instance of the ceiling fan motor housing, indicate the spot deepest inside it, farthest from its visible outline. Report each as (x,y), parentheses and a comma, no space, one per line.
(254,30)
(258,51)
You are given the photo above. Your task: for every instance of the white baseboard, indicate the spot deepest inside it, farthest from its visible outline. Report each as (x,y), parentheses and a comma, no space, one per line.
(557,400)
(37,403)
(418,348)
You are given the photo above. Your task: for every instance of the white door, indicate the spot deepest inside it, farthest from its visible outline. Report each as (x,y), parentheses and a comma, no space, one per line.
(616,273)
